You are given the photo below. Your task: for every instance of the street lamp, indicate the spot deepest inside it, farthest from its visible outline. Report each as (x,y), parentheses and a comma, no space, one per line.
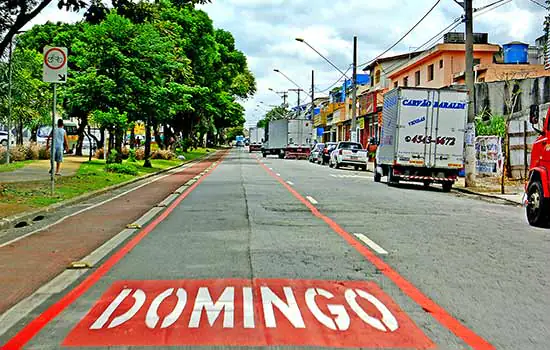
(353,80)
(320,54)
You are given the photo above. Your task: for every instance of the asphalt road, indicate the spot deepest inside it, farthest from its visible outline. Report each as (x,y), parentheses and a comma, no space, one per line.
(256,236)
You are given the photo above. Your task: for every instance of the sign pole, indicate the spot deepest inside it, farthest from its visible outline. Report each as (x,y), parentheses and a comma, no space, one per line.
(52,149)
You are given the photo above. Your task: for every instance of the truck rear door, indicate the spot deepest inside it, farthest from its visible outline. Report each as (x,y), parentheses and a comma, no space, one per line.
(415,119)
(446,149)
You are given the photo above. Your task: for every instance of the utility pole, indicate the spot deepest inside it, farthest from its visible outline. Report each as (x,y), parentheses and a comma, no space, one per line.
(470,153)
(285,95)
(298,106)
(312,94)
(354,91)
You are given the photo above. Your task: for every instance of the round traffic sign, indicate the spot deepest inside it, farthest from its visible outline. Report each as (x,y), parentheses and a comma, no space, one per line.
(55,58)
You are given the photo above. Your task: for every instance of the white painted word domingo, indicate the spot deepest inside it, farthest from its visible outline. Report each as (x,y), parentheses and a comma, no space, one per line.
(246,312)
(338,317)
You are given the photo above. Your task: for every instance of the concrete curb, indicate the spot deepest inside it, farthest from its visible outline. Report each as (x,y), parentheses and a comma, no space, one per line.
(486,195)
(10,221)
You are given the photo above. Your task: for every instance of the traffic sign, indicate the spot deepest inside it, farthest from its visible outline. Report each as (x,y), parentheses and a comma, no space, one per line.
(55,65)
(244,312)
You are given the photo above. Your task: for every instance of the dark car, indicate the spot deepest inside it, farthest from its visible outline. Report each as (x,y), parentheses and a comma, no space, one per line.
(324,157)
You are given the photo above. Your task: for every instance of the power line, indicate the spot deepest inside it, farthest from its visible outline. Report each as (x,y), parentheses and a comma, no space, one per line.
(336,82)
(458,21)
(404,36)
(541,5)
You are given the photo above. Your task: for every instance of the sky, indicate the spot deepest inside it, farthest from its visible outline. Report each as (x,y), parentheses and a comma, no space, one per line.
(265,30)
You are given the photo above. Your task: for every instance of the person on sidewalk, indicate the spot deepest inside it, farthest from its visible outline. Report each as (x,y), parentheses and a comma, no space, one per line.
(61,142)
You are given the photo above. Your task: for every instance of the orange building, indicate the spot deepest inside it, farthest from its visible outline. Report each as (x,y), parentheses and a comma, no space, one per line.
(438,66)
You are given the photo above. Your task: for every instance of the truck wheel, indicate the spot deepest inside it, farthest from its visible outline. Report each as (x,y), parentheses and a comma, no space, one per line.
(264,155)
(4,143)
(364,168)
(447,186)
(537,206)
(377,177)
(281,155)
(392,179)
(356,167)
(427,184)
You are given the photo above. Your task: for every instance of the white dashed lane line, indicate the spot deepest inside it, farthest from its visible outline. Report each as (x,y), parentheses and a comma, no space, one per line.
(290,183)
(371,244)
(312,200)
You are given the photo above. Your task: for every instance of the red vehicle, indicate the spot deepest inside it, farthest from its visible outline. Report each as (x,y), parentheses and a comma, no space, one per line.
(538,186)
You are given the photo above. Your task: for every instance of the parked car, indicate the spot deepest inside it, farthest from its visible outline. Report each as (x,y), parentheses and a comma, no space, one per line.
(4,138)
(349,154)
(315,151)
(323,158)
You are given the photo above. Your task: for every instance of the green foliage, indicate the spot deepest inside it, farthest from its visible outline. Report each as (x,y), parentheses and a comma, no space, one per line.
(495,126)
(132,155)
(127,169)
(158,62)
(233,132)
(112,156)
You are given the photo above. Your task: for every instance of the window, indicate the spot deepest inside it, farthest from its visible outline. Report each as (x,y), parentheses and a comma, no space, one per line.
(395,84)
(477,61)
(417,78)
(377,77)
(406,81)
(440,64)
(430,72)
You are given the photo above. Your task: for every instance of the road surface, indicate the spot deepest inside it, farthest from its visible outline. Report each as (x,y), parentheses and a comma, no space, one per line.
(269,252)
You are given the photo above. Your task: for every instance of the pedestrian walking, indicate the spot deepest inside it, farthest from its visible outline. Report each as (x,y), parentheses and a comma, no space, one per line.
(61,143)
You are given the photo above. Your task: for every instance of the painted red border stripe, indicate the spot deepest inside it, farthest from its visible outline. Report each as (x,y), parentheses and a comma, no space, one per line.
(439,313)
(31,329)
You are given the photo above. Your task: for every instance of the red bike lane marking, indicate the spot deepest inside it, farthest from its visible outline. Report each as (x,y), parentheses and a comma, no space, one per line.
(439,313)
(33,327)
(244,312)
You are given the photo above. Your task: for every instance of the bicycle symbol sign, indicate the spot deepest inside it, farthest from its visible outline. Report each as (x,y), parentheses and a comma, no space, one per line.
(55,64)
(55,58)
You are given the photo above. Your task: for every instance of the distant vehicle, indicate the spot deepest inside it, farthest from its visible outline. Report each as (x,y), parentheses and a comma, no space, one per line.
(288,138)
(316,150)
(422,136)
(324,157)
(256,139)
(71,128)
(239,143)
(349,154)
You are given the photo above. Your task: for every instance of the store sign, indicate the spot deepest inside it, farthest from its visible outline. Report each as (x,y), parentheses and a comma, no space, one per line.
(368,103)
(244,312)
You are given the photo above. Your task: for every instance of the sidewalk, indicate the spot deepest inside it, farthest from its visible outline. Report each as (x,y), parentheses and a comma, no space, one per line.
(490,189)
(45,254)
(39,170)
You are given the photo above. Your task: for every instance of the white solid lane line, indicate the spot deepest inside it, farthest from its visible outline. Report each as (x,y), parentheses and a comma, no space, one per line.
(312,200)
(290,183)
(371,244)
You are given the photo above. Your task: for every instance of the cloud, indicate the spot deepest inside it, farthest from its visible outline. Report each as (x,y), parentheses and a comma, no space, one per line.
(265,31)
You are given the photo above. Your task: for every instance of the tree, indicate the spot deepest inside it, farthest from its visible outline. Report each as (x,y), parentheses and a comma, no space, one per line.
(30,97)
(233,132)
(14,14)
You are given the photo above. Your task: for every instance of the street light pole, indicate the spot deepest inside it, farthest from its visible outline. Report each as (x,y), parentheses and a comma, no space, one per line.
(354,92)
(312,94)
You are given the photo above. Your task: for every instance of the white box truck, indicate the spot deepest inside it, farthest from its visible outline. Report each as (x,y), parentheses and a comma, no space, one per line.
(422,136)
(256,138)
(288,138)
